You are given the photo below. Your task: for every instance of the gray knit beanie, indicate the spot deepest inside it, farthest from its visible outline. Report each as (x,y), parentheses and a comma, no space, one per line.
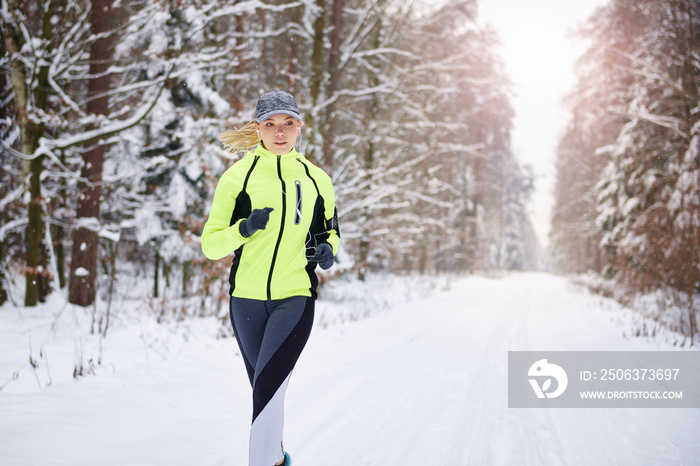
(274,103)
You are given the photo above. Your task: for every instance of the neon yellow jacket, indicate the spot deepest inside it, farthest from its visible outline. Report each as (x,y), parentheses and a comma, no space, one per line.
(272,263)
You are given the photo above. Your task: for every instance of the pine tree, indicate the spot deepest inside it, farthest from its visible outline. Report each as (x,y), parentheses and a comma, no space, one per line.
(598,113)
(646,196)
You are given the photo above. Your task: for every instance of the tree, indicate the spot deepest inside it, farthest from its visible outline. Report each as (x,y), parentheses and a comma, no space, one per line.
(597,106)
(49,75)
(470,169)
(417,140)
(9,170)
(30,59)
(641,219)
(84,257)
(646,196)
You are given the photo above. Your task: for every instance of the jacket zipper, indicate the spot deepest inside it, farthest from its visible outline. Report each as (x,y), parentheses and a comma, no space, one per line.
(279,237)
(297,212)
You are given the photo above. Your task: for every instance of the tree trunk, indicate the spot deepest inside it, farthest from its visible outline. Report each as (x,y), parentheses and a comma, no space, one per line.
(187,275)
(476,251)
(35,272)
(367,224)
(82,287)
(156,267)
(316,81)
(3,291)
(6,114)
(31,129)
(317,54)
(58,231)
(334,72)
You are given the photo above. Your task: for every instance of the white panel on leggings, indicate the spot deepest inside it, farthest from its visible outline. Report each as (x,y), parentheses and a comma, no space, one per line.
(266,431)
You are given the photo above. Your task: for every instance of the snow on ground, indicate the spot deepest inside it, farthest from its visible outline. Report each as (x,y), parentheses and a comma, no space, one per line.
(422,383)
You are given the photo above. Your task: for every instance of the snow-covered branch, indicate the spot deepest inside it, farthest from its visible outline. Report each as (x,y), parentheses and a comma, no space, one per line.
(47,146)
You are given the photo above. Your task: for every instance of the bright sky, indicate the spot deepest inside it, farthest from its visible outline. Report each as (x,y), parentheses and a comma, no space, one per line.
(539,55)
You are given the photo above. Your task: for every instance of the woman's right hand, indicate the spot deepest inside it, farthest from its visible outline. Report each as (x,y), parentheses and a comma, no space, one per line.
(257,220)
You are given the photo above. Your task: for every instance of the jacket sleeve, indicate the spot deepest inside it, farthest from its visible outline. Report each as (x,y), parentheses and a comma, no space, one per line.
(219,237)
(330,214)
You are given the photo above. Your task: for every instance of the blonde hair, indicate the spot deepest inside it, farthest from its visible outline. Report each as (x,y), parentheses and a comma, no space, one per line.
(239,139)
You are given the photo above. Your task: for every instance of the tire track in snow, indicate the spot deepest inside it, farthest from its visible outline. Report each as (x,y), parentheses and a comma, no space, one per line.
(426,383)
(505,309)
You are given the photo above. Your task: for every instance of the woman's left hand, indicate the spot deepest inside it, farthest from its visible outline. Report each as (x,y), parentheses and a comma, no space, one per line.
(324,256)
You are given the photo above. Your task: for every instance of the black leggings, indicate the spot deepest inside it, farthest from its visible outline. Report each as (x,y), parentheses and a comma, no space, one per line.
(271,336)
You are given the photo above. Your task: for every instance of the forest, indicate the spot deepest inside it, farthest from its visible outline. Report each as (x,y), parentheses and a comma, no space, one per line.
(112,111)
(628,164)
(110,153)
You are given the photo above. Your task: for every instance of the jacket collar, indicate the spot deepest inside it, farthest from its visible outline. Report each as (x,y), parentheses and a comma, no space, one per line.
(292,154)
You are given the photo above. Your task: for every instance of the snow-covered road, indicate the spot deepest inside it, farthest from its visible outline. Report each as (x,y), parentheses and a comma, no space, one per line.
(423,384)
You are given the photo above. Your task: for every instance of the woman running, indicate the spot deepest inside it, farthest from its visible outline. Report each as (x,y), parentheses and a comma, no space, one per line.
(276,212)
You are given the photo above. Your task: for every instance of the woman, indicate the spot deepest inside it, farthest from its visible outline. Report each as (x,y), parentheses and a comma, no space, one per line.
(276,211)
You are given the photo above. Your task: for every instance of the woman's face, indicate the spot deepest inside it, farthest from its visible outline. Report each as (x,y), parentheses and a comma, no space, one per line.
(279,133)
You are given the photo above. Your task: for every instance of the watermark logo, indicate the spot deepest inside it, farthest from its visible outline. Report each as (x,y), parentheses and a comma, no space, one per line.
(546,372)
(604,379)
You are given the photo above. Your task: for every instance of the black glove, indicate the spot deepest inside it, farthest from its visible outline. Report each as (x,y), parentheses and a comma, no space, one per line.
(257,220)
(324,256)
